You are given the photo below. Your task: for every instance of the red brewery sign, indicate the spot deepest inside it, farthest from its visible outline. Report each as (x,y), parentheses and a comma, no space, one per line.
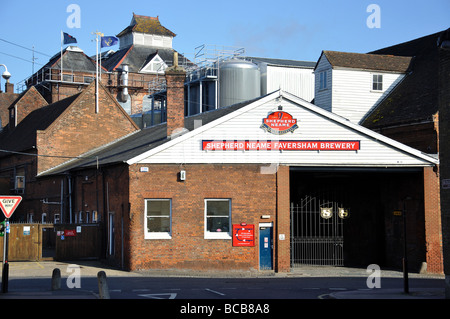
(243,235)
(8,204)
(279,123)
(223,145)
(70,233)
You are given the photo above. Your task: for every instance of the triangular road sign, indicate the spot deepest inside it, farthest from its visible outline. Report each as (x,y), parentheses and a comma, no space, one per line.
(8,204)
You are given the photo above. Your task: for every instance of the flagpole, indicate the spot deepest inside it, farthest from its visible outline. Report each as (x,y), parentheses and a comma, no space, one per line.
(61,56)
(96,70)
(96,76)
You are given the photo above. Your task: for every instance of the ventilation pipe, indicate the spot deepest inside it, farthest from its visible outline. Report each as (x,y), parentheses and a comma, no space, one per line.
(124,80)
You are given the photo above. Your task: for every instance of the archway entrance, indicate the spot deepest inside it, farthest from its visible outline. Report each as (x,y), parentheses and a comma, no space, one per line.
(346,217)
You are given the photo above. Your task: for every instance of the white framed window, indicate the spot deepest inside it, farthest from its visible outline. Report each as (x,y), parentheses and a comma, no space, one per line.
(217,218)
(158,219)
(377,82)
(323,80)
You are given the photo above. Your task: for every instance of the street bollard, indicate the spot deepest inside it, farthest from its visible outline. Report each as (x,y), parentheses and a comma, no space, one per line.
(56,279)
(103,290)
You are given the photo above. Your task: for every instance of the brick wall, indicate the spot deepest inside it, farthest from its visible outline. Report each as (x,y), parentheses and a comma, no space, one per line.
(30,101)
(433,234)
(252,195)
(80,129)
(175,99)
(283,260)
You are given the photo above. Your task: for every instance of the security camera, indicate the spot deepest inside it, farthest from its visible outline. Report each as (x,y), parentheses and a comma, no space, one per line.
(6,75)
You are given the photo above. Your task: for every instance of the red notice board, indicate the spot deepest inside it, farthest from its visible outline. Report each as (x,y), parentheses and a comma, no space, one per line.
(243,235)
(70,233)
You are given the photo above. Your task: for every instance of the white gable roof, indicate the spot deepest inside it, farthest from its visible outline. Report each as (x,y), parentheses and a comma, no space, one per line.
(316,127)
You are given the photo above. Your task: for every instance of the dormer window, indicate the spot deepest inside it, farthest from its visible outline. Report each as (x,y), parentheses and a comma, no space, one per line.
(377,82)
(156,65)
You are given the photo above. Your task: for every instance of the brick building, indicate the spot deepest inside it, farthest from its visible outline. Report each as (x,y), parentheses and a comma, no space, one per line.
(410,115)
(39,137)
(187,197)
(392,91)
(263,184)
(131,74)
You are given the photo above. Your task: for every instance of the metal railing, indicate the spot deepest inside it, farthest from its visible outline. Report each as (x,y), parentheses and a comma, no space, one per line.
(317,238)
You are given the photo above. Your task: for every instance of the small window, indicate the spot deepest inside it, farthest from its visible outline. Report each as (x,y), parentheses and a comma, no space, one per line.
(217,218)
(323,80)
(377,82)
(158,215)
(67,77)
(19,183)
(94,216)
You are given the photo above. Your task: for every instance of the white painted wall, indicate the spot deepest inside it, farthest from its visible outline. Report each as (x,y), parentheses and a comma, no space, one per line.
(150,40)
(295,80)
(314,124)
(349,92)
(352,94)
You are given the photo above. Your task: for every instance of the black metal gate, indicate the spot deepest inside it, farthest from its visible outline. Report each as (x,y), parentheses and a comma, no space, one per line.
(317,229)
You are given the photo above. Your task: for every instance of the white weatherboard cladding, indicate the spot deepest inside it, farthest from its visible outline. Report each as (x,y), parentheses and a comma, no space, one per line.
(352,94)
(322,97)
(297,81)
(314,124)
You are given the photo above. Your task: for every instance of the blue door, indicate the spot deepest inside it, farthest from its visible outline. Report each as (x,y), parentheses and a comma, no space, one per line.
(265,248)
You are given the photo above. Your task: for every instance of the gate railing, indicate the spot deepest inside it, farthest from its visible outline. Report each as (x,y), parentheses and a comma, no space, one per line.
(317,236)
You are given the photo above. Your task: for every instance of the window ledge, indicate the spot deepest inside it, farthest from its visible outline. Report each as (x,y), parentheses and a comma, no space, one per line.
(210,235)
(158,236)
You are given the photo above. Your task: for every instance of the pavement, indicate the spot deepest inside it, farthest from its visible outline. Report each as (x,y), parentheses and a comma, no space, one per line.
(44,270)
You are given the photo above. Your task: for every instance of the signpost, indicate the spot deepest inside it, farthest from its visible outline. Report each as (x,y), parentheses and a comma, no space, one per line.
(8,205)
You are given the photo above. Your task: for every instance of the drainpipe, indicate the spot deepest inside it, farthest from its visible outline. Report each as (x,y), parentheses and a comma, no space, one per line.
(70,198)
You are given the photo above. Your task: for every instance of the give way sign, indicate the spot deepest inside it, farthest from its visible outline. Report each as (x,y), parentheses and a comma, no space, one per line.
(8,204)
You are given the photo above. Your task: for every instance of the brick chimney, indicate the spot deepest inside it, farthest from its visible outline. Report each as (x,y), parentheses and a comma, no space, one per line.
(175,77)
(9,87)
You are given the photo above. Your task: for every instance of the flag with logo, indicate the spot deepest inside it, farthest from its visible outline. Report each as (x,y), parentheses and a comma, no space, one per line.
(68,38)
(108,41)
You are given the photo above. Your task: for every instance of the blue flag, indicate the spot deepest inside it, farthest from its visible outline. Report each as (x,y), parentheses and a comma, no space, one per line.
(69,39)
(108,41)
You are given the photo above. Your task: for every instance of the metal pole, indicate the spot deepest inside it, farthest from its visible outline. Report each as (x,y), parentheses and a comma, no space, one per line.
(5,271)
(96,74)
(405,256)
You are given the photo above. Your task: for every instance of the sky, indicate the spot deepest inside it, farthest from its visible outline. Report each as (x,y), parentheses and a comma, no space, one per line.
(282,29)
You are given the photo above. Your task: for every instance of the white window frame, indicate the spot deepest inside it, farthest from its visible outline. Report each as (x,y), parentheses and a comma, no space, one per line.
(217,235)
(323,80)
(157,235)
(377,82)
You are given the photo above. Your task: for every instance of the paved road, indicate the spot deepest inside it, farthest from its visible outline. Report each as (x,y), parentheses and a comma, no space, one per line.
(213,294)
(303,283)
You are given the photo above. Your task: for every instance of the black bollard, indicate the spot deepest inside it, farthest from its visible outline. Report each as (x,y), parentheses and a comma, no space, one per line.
(56,279)
(103,290)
